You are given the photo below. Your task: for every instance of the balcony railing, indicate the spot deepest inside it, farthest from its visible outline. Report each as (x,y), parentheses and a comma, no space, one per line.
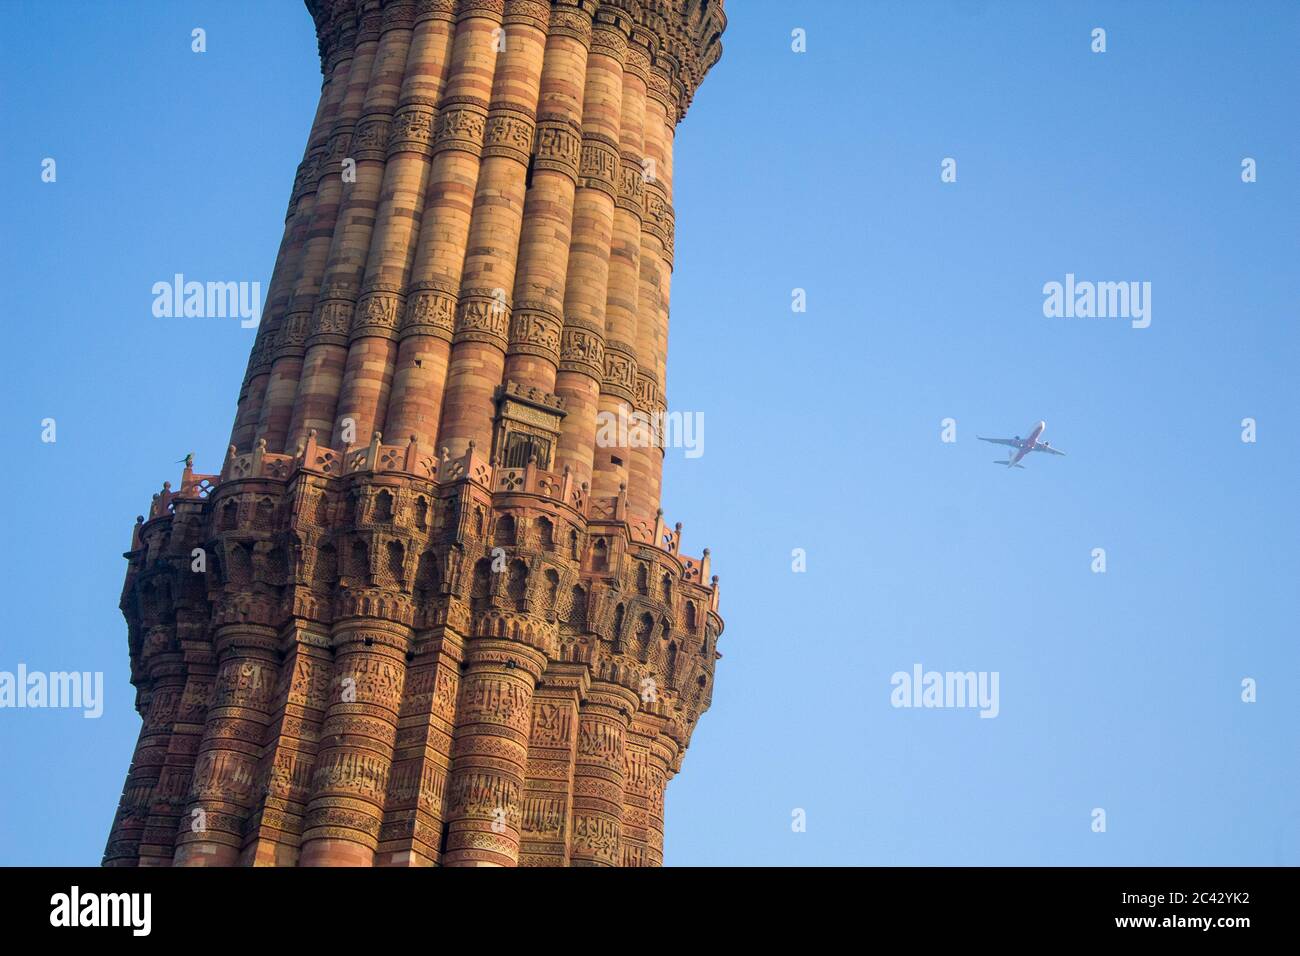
(412,459)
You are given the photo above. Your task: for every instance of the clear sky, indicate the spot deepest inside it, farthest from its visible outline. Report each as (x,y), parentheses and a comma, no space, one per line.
(817,171)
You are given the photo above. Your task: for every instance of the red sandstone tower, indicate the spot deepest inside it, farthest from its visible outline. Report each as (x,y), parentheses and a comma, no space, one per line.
(423,615)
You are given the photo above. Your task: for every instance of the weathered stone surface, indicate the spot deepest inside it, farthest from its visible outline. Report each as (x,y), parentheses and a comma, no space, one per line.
(478,643)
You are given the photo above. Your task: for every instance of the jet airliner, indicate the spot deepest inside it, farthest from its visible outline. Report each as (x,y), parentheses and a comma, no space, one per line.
(1023,446)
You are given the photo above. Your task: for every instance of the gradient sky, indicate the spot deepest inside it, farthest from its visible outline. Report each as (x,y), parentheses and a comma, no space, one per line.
(817,171)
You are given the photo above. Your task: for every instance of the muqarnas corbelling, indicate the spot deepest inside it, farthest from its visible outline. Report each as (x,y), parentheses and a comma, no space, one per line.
(422,615)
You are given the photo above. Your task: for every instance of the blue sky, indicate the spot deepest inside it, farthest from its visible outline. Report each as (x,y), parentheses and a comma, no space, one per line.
(819,171)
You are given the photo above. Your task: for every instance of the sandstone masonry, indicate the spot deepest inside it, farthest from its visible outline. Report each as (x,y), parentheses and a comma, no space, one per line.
(421,617)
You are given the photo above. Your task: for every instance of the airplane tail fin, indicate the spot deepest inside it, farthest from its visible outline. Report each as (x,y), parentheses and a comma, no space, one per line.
(1007,463)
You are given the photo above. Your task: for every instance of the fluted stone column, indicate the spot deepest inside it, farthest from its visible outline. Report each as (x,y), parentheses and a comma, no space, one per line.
(159,705)
(350,780)
(290,759)
(603,721)
(664,754)
(538,315)
(483,306)
(656,274)
(412,830)
(547,815)
(428,317)
(368,375)
(171,795)
(261,383)
(637,783)
(334,298)
(224,788)
(618,388)
(582,344)
(348,78)
(490,753)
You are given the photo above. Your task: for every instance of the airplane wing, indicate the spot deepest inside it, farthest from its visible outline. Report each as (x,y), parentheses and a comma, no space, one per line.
(1049,449)
(1001,441)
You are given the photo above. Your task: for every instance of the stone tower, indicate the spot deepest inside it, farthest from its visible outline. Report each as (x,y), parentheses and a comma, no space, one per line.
(425,614)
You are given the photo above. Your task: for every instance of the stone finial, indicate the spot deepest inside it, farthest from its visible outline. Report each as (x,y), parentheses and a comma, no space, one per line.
(677,40)
(308,452)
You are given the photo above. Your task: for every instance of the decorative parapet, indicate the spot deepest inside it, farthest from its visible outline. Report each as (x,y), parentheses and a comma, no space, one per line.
(311,456)
(194,487)
(412,460)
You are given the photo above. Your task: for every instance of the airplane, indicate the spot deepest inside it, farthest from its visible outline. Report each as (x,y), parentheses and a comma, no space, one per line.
(1023,446)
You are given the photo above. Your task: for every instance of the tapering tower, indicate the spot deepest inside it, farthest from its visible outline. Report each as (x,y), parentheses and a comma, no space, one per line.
(429,612)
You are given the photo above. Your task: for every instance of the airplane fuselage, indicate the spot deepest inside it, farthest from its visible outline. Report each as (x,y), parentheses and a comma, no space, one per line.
(1020,447)
(1029,444)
